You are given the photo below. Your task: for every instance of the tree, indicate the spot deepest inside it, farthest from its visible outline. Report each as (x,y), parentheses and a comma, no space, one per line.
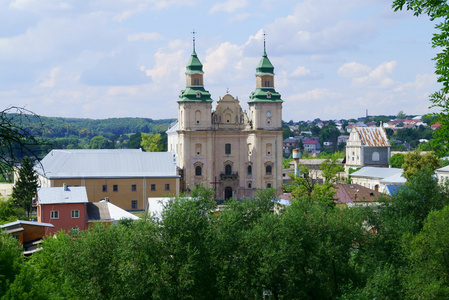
(18,138)
(427,253)
(414,161)
(26,186)
(436,10)
(10,260)
(330,168)
(397,160)
(134,141)
(401,115)
(151,142)
(100,142)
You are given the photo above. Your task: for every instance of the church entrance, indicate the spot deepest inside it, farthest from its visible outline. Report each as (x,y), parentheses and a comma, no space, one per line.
(228,192)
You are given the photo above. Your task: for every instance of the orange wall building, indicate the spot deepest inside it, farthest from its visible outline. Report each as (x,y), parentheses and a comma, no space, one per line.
(126,177)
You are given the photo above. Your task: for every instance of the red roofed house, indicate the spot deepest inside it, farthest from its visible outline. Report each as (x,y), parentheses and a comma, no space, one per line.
(311,145)
(367,146)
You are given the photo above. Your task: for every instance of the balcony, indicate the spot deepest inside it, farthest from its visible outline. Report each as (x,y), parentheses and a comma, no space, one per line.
(232,176)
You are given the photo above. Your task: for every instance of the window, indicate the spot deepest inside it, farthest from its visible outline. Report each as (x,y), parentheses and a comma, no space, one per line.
(228,170)
(249,185)
(196,82)
(105,188)
(227,148)
(268,185)
(167,186)
(198,171)
(115,187)
(133,187)
(269,95)
(267,83)
(134,204)
(75,214)
(268,170)
(54,214)
(153,187)
(198,94)
(376,156)
(250,170)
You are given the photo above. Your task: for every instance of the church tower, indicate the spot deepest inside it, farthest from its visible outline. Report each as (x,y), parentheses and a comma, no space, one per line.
(265,117)
(265,104)
(194,125)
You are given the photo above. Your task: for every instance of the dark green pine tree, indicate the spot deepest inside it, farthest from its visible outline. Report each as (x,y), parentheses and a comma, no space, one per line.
(26,186)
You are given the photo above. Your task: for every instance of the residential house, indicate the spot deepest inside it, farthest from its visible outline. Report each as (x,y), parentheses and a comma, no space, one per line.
(67,208)
(342,139)
(28,233)
(351,195)
(442,174)
(127,177)
(312,145)
(367,146)
(63,207)
(377,178)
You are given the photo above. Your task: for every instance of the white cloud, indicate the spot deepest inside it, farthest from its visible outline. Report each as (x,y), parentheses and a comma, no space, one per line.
(378,77)
(50,83)
(353,69)
(229,6)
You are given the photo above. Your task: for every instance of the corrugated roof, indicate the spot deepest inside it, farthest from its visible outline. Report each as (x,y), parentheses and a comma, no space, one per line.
(373,136)
(117,163)
(377,172)
(59,195)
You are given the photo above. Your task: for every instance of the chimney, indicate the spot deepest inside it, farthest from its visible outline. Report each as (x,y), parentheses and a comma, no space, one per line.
(64,186)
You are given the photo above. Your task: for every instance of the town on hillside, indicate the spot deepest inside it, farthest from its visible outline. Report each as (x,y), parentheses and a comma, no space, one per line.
(221,195)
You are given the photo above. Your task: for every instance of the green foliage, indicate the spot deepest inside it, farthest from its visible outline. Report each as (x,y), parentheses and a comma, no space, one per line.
(26,185)
(100,142)
(134,141)
(286,162)
(10,260)
(286,132)
(414,161)
(427,253)
(401,115)
(397,160)
(9,212)
(151,142)
(436,10)
(330,168)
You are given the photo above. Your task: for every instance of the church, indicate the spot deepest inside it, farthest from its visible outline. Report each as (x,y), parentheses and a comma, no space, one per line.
(226,149)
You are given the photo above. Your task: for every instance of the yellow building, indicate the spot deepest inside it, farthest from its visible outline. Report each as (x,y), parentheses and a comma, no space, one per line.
(228,150)
(127,178)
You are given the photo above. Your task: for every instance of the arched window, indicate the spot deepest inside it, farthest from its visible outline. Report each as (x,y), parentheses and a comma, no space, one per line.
(228,170)
(268,170)
(376,156)
(250,170)
(198,171)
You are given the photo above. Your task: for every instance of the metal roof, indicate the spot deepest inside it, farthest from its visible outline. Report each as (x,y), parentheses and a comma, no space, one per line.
(62,195)
(377,172)
(20,222)
(115,163)
(443,169)
(107,211)
(373,136)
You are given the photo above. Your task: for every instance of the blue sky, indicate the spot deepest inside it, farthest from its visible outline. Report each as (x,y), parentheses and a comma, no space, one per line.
(108,58)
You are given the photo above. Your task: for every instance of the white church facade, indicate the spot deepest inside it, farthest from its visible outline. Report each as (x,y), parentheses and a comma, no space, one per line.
(226,149)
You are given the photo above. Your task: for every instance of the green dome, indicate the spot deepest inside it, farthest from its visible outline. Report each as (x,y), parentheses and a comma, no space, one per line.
(194,65)
(265,66)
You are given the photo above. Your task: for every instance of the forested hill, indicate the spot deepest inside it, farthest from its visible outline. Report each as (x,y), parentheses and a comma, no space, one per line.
(88,128)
